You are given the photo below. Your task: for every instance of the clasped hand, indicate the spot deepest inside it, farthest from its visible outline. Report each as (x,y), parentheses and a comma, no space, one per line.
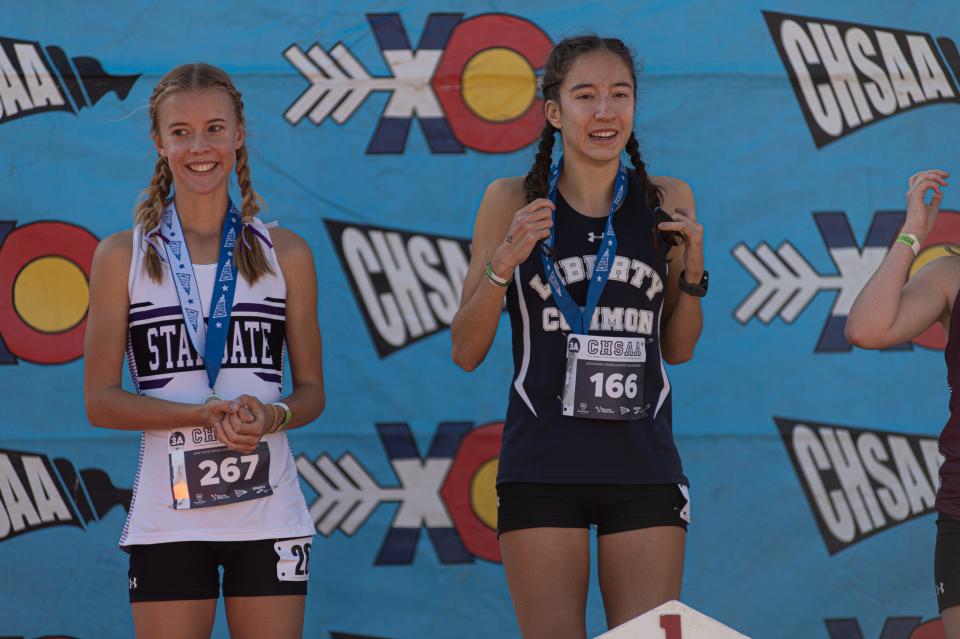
(238,423)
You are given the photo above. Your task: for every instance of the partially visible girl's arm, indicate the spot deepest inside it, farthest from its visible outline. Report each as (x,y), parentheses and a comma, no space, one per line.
(887,312)
(504,234)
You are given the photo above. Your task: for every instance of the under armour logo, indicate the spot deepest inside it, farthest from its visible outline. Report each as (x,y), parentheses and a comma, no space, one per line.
(133,583)
(940,588)
(592,237)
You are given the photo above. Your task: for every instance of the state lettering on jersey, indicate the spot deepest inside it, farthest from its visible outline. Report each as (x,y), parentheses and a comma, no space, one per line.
(861,482)
(625,270)
(846,75)
(406,284)
(160,344)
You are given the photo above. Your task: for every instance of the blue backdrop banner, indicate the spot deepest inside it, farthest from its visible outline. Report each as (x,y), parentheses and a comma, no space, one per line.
(373,132)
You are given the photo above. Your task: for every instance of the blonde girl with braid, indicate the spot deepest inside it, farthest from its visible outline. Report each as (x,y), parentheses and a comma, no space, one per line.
(588,440)
(204,301)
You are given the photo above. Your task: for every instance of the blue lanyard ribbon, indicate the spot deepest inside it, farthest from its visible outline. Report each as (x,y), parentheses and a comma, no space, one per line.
(208,339)
(579,318)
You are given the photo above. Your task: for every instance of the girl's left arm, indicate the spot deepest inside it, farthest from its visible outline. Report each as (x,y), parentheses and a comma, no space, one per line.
(682,319)
(304,346)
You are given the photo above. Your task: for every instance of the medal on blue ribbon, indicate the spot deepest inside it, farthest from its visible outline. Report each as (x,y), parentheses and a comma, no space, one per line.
(211,338)
(579,318)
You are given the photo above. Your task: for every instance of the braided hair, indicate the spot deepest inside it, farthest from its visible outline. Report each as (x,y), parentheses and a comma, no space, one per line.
(249,256)
(562,56)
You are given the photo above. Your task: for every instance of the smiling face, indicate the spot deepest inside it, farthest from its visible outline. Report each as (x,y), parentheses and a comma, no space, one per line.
(199,134)
(595,107)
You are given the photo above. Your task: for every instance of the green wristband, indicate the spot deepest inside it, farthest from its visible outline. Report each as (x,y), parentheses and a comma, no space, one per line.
(910,240)
(496,279)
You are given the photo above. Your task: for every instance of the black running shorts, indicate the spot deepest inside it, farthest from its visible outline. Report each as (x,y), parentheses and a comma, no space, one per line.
(612,508)
(946,562)
(190,569)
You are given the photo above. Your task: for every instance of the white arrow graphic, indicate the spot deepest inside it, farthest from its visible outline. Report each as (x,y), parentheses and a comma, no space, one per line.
(786,283)
(335,79)
(339,84)
(347,495)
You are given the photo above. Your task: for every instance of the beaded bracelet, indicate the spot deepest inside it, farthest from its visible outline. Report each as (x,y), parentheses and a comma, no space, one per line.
(287,416)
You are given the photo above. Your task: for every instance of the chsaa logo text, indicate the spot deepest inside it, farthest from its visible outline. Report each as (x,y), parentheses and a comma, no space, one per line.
(36,493)
(44,270)
(848,75)
(450,492)
(787,283)
(36,80)
(893,628)
(470,82)
(861,482)
(407,284)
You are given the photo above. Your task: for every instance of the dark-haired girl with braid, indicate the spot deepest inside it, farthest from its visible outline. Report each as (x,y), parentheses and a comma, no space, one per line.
(602,269)
(204,299)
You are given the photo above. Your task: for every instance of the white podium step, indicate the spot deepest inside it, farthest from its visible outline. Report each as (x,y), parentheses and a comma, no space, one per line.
(672,620)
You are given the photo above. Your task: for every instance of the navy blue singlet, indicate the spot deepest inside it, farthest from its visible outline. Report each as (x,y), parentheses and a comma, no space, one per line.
(539,443)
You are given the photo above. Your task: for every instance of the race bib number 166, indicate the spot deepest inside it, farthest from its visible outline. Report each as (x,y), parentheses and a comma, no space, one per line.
(604,377)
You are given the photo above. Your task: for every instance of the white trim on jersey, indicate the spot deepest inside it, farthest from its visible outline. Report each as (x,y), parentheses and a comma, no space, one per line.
(663,371)
(525,360)
(136,485)
(134,262)
(175,313)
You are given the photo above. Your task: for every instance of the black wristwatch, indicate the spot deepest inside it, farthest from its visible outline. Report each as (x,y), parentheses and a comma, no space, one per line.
(697,290)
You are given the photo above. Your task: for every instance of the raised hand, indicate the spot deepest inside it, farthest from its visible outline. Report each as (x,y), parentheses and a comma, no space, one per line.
(685,223)
(922,216)
(530,225)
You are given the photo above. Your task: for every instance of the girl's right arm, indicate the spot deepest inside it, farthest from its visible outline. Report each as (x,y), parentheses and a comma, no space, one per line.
(891,310)
(504,234)
(107,404)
